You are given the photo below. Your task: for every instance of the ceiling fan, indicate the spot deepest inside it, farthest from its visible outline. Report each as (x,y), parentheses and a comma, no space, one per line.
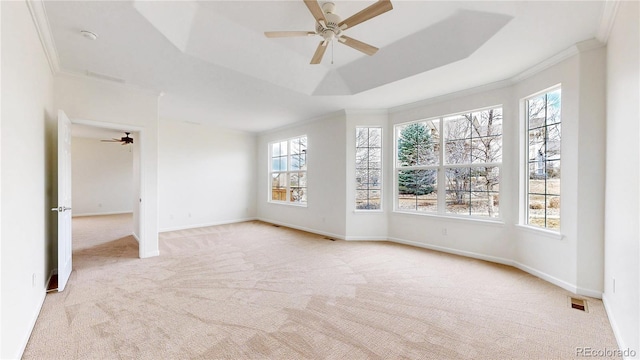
(124,140)
(331,27)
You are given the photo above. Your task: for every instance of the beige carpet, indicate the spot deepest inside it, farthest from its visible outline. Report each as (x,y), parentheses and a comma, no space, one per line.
(255,291)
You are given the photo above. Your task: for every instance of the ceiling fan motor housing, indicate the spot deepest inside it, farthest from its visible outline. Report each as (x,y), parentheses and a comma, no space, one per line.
(332,30)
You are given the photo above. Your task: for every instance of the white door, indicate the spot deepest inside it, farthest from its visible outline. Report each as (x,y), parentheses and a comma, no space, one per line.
(64,199)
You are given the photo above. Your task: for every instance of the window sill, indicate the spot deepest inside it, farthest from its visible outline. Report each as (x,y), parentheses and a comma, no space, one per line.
(483,221)
(539,231)
(287,203)
(370,212)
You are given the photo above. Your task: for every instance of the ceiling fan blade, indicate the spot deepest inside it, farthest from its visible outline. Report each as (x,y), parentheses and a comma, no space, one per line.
(316,11)
(279,34)
(378,8)
(317,57)
(358,45)
(114,140)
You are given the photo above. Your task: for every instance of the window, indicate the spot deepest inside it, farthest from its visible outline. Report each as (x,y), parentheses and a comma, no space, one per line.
(368,168)
(288,173)
(473,155)
(543,159)
(461,180)
(417,163)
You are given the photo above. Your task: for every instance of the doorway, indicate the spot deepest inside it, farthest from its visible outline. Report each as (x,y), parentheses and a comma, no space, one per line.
(102,164)
(102,199)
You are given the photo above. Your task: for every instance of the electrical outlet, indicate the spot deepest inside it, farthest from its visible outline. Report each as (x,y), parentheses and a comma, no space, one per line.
(614,285)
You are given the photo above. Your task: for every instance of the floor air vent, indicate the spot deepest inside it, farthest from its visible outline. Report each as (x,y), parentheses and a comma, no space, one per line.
(578,304)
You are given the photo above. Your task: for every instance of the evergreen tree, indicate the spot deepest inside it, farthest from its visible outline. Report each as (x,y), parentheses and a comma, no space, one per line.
(415,147)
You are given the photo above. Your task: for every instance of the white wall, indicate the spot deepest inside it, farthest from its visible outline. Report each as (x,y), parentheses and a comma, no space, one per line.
(573,261)
(123,107)
(207,175)
(367,225)
(483,239)
(27,103)
(326,166)
(622,209)
(102,177)
(591,172)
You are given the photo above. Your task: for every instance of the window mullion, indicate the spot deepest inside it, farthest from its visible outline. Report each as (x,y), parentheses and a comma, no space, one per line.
(441,176)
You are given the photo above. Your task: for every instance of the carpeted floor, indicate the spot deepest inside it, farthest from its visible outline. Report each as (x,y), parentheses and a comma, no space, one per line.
(255,291)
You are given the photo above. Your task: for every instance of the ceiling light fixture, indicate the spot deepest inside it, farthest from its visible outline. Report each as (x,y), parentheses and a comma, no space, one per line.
(89,34)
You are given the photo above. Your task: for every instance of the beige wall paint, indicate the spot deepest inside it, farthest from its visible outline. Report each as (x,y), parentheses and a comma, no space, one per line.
(622,205)
(206,175)
(27,104)
(106,104)
(102,177)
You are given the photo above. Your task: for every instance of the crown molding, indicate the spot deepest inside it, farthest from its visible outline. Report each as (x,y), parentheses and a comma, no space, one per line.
(547,63)
(450,96)
(41,22)
(606,21)
(571,51)
(366,111)
(332,115)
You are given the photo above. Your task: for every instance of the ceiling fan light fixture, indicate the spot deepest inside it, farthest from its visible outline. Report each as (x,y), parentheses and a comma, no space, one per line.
(329,8)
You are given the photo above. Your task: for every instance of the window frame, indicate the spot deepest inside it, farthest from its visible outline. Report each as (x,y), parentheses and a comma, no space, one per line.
(287,173)
(525,193)
(441,168)
(381,169)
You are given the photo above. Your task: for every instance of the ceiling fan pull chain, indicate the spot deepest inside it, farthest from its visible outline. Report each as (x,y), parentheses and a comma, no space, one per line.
(331,52)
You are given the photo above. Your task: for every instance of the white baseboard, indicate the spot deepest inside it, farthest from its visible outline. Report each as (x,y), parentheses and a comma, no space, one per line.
(544,276)
(366,238)
(495,259)
(32,324)
(302,228)
(537,273)
(612,321)
(150,254)
(616,329)
(135,236)
(469,254)
(216,223)
(589,292)
(102,213)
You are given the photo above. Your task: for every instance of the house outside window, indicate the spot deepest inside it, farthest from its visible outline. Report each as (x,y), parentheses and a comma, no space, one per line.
(288,171)
(543,142)
(368,168)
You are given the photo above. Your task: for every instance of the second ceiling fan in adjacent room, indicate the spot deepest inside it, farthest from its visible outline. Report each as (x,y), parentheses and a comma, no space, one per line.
(124,140)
